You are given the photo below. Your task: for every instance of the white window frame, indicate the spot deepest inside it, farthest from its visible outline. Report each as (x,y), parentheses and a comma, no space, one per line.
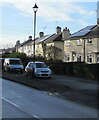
(89,58)
(97,58)
(89,41)
(68,42)
(79,56)
(79,42)
(68,57)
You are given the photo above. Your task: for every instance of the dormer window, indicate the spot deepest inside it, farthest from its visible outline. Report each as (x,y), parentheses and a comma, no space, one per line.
(89,41)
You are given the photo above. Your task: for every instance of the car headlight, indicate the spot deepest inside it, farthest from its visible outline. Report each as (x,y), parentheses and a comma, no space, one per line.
(49,72)
(11,67)
(22,67)
(38,71)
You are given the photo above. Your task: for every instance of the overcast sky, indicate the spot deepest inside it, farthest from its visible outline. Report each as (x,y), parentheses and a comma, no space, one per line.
(16,21)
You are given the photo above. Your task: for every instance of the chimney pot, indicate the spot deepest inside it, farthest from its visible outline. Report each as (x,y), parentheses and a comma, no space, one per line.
(41,34)
(30,37)
(58,29)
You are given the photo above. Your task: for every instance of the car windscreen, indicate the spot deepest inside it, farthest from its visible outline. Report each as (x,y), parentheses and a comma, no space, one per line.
(15,62)
(41,65)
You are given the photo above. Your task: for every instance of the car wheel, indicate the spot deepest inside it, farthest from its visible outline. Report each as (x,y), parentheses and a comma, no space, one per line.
(26,75)
(5,69)
(49,77)
(21,72)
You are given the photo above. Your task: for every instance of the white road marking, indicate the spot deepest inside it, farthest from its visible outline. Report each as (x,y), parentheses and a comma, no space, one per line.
(17,106)
(36,117)
(10,102)
(19,96)
(50,93)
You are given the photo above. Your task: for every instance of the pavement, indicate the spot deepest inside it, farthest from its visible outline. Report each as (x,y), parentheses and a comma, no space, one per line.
(79,90)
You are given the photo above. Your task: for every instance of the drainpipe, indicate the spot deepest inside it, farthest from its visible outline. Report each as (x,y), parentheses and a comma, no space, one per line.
(84,53)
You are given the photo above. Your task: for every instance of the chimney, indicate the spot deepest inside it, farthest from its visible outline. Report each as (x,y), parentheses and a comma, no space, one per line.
(17,42)
(65,33)
(30,37)
(41,34)
(58,29)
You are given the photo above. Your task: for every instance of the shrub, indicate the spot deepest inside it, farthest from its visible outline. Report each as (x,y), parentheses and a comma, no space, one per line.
(17,55)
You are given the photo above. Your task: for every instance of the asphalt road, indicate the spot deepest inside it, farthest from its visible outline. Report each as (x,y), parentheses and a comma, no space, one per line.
(19,101)
(79,90)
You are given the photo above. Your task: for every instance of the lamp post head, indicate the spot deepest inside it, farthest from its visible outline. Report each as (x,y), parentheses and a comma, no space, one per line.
(35,8)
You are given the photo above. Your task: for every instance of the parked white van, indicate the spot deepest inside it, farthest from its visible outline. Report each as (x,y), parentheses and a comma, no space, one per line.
(13,64)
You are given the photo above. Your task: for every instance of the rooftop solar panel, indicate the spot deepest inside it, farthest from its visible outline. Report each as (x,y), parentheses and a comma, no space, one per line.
(83,32)
(89,27)
(80,33)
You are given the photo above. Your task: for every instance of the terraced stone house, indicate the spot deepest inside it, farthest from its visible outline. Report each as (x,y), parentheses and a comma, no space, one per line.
(83,45)
(49,46)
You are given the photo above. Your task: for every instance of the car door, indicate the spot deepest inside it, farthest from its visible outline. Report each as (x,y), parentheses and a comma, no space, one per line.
(28,68)
(31,68)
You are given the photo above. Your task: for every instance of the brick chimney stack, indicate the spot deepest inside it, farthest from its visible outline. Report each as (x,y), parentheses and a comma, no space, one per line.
(65,33)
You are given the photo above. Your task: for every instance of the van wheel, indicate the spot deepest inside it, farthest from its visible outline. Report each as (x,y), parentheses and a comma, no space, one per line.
(5,69)
(21,72)
(49,77)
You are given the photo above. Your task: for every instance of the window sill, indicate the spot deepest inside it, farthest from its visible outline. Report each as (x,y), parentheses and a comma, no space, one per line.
(89,62)
(89,44)
(68,45)
(79,44)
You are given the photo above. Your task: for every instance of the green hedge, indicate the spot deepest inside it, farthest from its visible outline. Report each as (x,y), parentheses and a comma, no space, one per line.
(81,70)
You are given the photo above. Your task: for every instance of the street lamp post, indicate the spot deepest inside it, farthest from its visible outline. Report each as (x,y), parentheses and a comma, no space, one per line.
(35,8)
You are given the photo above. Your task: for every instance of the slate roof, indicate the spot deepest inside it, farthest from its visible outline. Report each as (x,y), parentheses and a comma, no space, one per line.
(29,41)
(43,39)
(47,39)
(94,33)
(55,38)
(26,42)
(50,38)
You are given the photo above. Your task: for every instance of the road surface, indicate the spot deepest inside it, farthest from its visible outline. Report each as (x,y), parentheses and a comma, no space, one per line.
(19,101)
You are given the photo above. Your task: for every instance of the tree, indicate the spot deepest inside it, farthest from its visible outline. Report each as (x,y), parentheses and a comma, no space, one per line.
(17,55)
(22,56)
(53,52)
